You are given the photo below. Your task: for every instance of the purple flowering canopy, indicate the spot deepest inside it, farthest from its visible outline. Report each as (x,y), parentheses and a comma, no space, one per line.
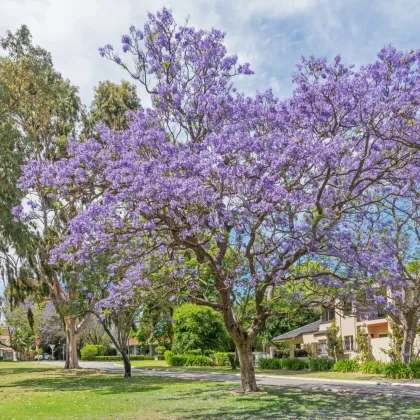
(250,186)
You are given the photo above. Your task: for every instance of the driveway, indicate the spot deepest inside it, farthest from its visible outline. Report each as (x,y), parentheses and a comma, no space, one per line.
(370,388)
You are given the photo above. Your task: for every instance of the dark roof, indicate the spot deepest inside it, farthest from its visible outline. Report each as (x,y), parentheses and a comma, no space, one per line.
(310,328)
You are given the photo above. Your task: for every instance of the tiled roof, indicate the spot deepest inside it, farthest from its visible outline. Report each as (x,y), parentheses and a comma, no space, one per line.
(310,328)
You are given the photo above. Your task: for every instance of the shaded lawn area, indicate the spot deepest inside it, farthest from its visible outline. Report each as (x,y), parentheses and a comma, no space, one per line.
(28,391)
(162,365)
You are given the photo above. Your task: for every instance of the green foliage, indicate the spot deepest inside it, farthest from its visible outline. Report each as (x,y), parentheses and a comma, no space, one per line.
(293,364)
(225,359)
(270,363)
(346,366)
(198,327)
(194,352)
(399,370)
(89,352)
(189,361)
(161,350)
(396,338)
(335,345)
(320,364)
(288,364)
(372,367)
(363,345)
(168,354)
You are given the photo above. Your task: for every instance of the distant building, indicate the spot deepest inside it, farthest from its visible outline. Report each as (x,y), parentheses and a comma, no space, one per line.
(314,334)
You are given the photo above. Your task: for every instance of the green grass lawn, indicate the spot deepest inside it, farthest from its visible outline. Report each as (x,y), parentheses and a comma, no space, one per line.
(162,365)
(30,391)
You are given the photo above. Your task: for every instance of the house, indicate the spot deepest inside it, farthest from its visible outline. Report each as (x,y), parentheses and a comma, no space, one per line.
(314,334)
(147,349)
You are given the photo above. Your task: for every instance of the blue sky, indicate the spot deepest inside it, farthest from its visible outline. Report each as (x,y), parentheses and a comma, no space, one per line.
(270,34)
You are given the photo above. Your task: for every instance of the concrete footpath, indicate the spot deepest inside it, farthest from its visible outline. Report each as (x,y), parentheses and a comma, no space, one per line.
(365,388)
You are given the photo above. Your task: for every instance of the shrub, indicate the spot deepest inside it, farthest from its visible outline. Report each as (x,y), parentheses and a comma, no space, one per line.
(208,352)
(346,366)
(293,364)
(168,354)
(189,361)
(270,363)
(320,364)
(399,370)
(372,367)
(160,350)
(176,360)
(301,353)
(100,350)
(110,351)
(194,352)
(198,361)
(89,352)
(225,359)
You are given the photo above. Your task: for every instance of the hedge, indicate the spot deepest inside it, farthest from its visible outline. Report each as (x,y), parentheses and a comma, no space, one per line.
(225,359)
(117,358)
(346,366)
(194,352)
(289,364)
(189,361)
(400,370)
(372,367)
(320,364)
(168,354)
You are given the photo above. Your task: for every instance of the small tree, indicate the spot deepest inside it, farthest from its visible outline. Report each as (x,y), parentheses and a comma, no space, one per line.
(335,344)
(364,348)
(199,327)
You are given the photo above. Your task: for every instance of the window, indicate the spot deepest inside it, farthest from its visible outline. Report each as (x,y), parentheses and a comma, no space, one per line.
(348,343)
(322,346)
(383,335)
(328,315)
(372,336)
(347,309)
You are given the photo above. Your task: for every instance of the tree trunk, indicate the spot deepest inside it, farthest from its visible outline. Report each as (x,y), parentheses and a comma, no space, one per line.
(127,364)
(72,361)
(410,327)
(246,361)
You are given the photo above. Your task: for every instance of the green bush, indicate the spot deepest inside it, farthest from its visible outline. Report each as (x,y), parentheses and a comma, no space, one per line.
(194,352)
(189,361)
(208,352)
(176,360)
(168,354)
(160,350)
(198,361)
(110,351)
(270,363)
(346,366)
(320,364)
(294,364)
(89,352)
(372,367)
(225,359)
(400,370)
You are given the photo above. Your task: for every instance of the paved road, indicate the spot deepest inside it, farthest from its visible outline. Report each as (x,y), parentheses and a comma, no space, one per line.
(345,387)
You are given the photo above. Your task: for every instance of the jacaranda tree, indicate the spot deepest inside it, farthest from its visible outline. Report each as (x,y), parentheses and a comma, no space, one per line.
(244,187)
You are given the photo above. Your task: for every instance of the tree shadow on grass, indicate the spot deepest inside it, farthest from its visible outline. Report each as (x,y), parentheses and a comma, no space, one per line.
(294,403)
(52,380)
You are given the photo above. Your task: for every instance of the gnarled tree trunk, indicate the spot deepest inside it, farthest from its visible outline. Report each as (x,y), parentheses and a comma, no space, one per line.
(127,363)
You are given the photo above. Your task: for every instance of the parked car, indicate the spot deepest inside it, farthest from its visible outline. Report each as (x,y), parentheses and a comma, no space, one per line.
(44,356)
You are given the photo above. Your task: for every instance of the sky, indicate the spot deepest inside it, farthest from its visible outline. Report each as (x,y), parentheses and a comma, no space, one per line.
(271,35)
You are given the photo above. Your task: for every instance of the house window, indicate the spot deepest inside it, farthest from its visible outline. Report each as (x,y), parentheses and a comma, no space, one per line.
(348,343)
(328,315)
(347,309)
(323,348)
(383,335)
